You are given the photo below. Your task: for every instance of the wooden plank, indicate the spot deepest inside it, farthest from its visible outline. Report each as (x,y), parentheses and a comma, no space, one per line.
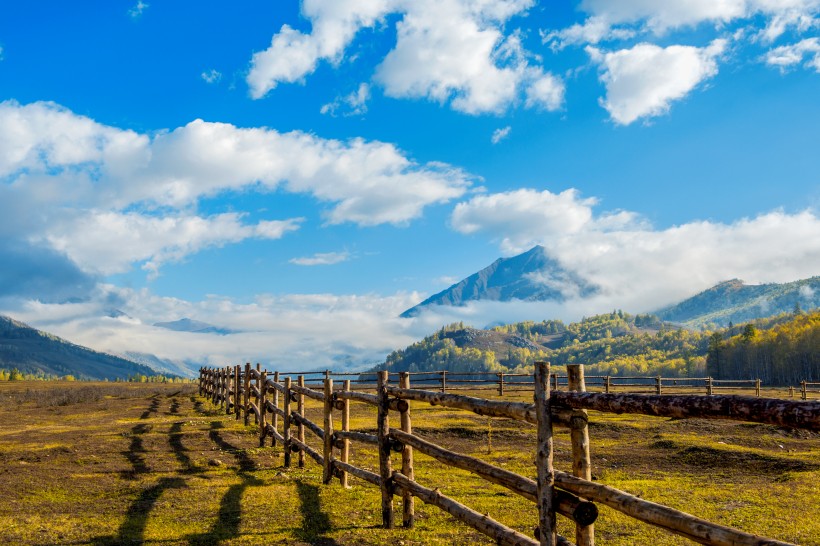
(304,421)
(579,437)
(327,440)
(385,469)
(310,393)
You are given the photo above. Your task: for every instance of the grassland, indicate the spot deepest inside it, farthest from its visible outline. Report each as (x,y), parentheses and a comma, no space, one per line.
(112,464)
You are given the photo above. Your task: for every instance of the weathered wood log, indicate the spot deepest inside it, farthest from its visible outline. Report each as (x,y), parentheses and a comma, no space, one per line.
(286,422)
(263,406)
(327,440)
(273,410)
(273,433)
(579,437)
(237,397)
(408,504)
(770,411)
(304,421)
(312,453)
(361,473)
(270,387)
(681,523)
(383,432)
(357,436)
(367,398)
(300,407)
(310,393)
(247,391)
(543,457)
(345,448)
(566,504)
(481,522)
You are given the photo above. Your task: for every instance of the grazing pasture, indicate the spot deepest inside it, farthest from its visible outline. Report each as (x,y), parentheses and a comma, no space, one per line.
(157,464)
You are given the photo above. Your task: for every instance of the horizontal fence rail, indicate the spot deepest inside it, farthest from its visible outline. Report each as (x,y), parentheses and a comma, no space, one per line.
(268,398)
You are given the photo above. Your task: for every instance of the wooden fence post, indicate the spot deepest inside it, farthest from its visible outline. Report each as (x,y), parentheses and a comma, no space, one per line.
(385,469)
(237,392)
(606,384)
(246,389)
(579,435)
(408,506)
(500,383)
(275,419)
(709,387)
(286,423)
(658,386)
(300,431)
(263,402)
(345,456)
(791,391)
(803,394)
(555,381)
(443,379)
(757,387)
(327,470)
(543,459)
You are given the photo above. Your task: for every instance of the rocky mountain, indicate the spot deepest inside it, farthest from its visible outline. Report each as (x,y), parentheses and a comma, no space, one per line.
(163,365)
(531,276)
(194,326)
(735,301)
(35,352)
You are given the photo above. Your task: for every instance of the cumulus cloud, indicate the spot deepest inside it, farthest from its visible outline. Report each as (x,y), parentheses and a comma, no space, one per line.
(322,258)
(637,267)
(448,51)
(644,80)
(135,195)
(500,134)
(353,104)
(787,56)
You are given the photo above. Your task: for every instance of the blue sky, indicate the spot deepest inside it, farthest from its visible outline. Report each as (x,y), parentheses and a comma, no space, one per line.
(305,171)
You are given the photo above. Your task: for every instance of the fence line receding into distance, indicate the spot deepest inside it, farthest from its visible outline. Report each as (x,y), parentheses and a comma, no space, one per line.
(255,392)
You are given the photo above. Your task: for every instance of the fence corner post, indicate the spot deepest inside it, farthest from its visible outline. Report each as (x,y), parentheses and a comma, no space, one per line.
(543,458)
(385,468)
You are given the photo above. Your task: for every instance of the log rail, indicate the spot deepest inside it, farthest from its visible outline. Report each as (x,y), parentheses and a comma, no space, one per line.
(570,495)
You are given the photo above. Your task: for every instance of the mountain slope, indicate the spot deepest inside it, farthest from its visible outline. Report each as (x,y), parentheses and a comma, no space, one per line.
(734,301)
(531,276)
(193,326)
(35,352)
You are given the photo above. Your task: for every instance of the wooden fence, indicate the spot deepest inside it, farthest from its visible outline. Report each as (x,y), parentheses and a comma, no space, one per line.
(516,382)
(255,392)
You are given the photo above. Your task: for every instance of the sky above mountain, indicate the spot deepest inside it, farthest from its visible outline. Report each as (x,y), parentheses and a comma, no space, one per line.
(302,172)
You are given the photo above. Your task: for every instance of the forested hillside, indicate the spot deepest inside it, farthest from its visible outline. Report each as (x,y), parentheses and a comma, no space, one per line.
(780,350)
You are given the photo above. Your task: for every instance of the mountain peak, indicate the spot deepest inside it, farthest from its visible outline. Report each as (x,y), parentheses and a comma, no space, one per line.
(530,276)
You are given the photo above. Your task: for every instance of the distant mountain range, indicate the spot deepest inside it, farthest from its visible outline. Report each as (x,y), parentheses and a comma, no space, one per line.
(735,302)
(35,352)
(193,326)
(531,276)
(534,276)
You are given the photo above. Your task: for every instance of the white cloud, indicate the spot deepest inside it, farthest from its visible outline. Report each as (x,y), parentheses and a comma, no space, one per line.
(643,81)
(137,192)
(138,9)
(353,104)
(211,76)
(293,332)
(293,54)
(322,258)
(112,241)
(500,134)
(639,268)
(787,56)
(449,51)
